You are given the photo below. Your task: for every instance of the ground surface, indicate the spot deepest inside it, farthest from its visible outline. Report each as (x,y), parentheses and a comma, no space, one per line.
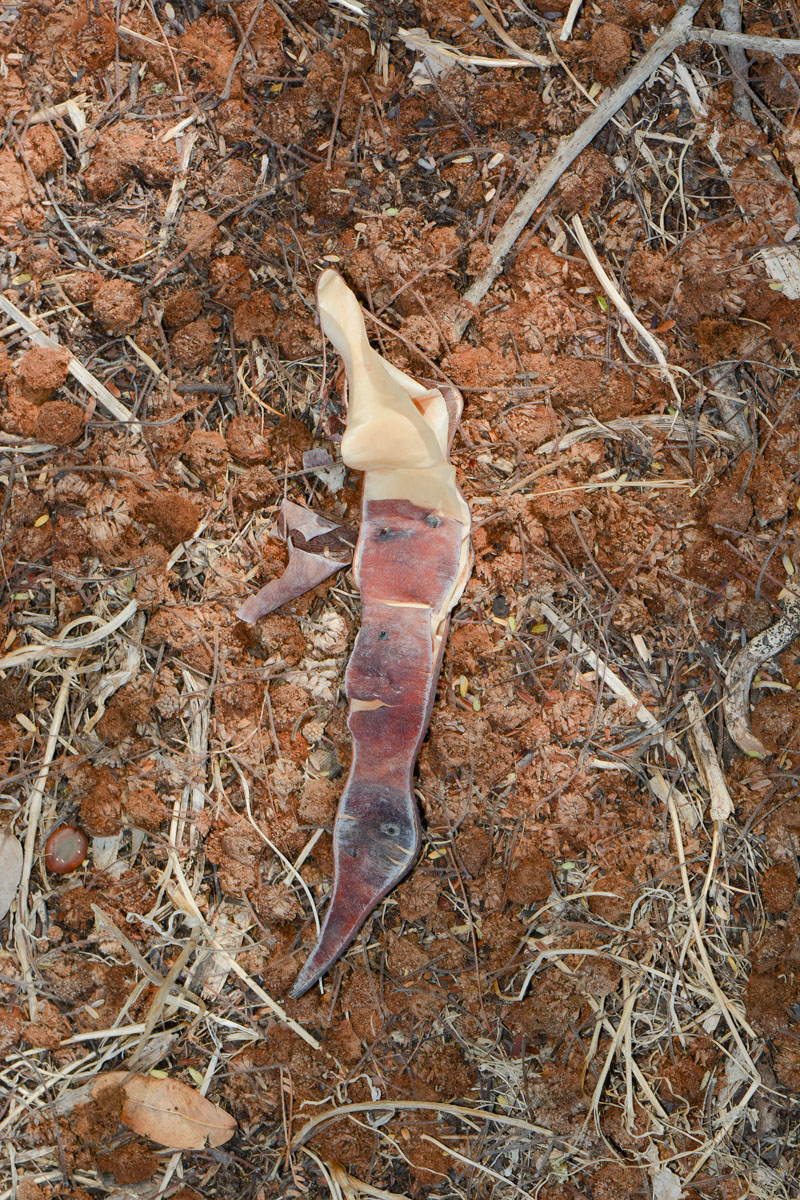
(166,223)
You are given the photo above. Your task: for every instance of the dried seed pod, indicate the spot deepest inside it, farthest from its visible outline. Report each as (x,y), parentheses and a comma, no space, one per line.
(65,849)
(412,560)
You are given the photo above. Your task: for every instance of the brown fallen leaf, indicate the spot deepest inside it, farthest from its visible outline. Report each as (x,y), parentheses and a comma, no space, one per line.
(318,548)
(168,1111)
(10,870)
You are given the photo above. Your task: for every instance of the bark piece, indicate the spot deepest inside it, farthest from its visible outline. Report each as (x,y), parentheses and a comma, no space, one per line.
(10,870)
(736,699)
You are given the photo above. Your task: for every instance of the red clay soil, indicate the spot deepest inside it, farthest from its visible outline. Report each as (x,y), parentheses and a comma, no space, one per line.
(170,236)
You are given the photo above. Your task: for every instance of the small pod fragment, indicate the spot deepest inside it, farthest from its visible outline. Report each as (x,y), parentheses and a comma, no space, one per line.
(318,548)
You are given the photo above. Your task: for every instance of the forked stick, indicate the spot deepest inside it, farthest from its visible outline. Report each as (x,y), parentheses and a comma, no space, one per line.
(679,31)
(673,36)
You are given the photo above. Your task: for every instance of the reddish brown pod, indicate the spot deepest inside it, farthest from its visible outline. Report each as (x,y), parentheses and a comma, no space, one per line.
(65,849)
(412,560)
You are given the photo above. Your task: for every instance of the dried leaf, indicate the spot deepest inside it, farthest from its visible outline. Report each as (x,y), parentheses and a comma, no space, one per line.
(667,1185)
(10,870)
(168,1111)
(318,548)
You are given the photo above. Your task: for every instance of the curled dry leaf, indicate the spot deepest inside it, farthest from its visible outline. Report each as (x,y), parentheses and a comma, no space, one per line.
(168,1111)
(318,548)
(10,870)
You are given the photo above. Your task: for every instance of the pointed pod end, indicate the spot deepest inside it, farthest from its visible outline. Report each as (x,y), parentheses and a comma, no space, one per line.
(349,908)
(247,611)
(332,943)
(305,980)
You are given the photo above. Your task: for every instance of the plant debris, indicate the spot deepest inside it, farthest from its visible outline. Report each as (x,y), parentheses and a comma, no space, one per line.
(588,984)
(318,548)
(767,644)
(167,1111)
(10,870)
(412,562)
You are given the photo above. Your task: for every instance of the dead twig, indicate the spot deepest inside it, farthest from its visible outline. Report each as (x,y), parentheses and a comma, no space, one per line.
(569,20)
(177,190)
(76,368)
(431,48)
(471,1115)
(679,31)
(587,429)
(526,55)
(621,304)
(84,249)
(781,260)
(168,268)
(777,47)
(225,94)
(337,114)
(43,115)
(56,647)
(705,756)
(606,676)
(212,941)
(37,795)
(731,17)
